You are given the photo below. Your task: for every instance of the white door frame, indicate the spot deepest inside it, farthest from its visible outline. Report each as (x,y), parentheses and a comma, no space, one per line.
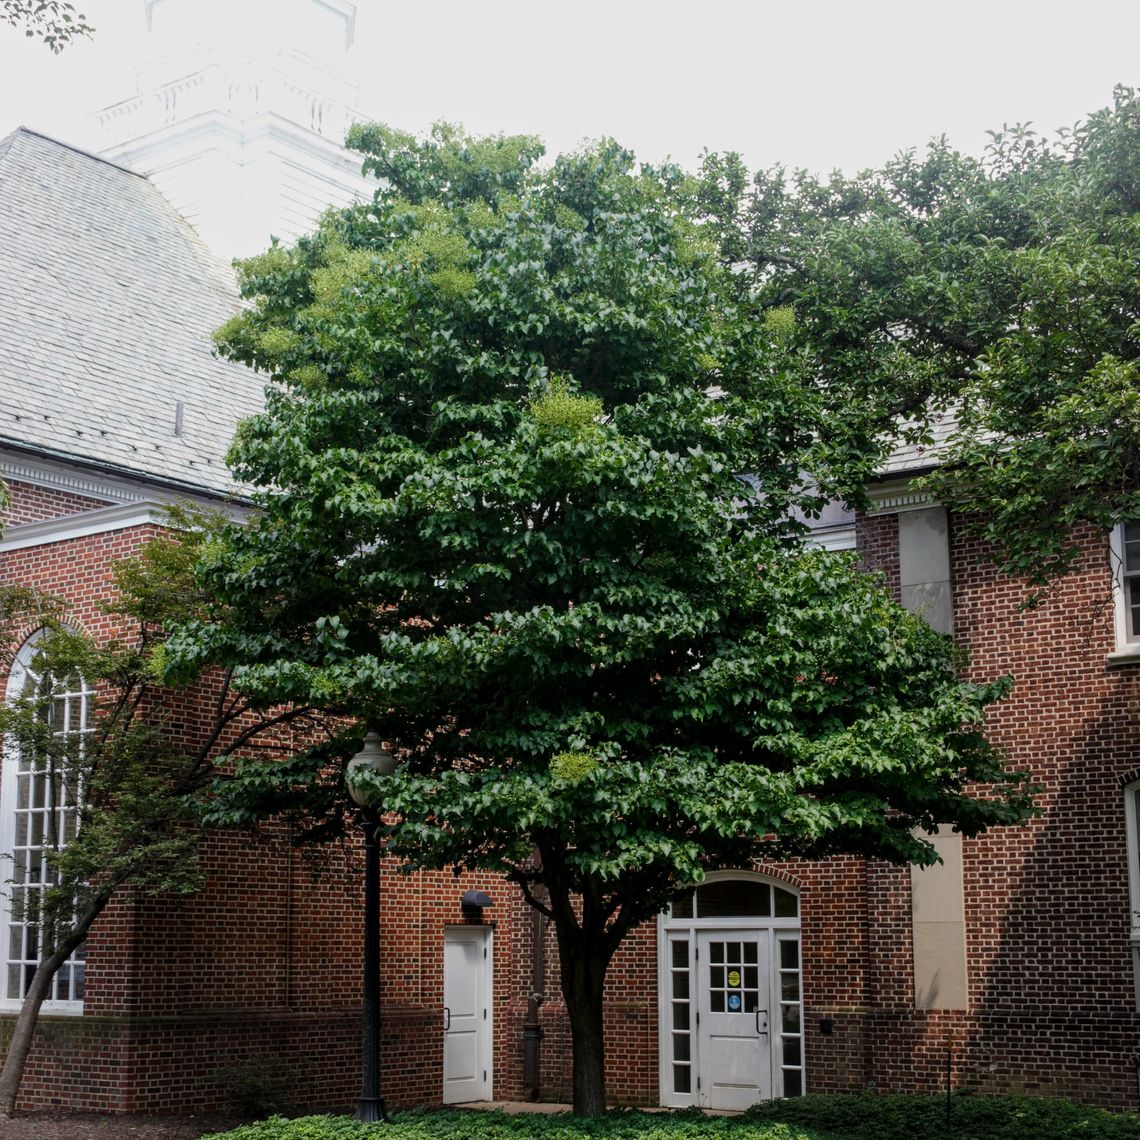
(676,951)
(468,1024)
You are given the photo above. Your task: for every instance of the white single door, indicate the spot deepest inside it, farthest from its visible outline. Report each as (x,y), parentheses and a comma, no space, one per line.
(734,1051)
(466,1014)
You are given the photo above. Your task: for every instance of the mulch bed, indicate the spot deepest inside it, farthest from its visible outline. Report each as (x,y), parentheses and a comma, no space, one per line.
(101,1126)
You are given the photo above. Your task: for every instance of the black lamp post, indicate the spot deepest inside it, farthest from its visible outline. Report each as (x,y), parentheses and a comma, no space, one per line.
(375,758)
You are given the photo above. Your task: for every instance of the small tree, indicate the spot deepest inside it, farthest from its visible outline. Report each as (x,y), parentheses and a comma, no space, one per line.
(531,468)
(132,790)
(55,22)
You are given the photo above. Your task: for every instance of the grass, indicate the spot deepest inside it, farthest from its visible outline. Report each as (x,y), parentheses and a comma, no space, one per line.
(855,1117)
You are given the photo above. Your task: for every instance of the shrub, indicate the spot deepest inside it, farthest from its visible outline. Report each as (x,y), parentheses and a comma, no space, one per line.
(849,1117)
(257,1086)
(452,1125)
(873,1117)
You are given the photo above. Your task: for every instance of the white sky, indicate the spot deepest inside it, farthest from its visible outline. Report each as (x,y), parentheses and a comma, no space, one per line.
(814,83)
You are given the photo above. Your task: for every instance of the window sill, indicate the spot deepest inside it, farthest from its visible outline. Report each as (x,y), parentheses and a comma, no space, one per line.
(48,1009)
(1124,656)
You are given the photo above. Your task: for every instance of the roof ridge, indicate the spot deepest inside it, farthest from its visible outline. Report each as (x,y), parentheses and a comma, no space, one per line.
(6,142)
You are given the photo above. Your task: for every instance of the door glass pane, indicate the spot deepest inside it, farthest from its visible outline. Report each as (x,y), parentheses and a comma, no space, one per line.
(790,1016)
(682,1040)
(733,987)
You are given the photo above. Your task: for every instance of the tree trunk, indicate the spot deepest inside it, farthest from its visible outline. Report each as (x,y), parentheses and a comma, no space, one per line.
(21,1043)
(584,962)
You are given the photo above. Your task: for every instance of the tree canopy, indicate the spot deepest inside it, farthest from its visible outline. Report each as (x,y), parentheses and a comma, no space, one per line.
(531,479)
(1001,292)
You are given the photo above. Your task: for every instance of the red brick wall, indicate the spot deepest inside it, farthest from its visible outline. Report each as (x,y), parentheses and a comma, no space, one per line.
(31,503)
(265,962)
(1051,992)
(183,992)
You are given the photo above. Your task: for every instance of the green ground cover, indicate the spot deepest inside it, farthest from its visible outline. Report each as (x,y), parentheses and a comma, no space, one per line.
(805,1118)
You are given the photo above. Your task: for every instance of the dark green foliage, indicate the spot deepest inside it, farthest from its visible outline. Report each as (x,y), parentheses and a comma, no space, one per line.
(504,521)
(871,1117)
(451,1125)
(531,487)
(857,1117)
(1002,290)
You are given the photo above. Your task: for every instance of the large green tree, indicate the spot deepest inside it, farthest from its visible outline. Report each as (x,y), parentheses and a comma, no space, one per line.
(1001,294)
(528,481)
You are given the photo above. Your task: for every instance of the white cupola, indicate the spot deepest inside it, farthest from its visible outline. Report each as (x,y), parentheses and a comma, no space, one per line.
(240,110)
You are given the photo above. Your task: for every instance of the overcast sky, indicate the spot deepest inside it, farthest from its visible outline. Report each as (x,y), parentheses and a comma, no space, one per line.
(816,84)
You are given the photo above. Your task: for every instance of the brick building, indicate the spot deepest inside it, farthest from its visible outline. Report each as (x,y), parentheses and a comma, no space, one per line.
(1019,950)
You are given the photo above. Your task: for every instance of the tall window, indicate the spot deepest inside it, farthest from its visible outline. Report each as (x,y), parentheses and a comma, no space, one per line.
(1125,547)
(1132,831)
(38,815)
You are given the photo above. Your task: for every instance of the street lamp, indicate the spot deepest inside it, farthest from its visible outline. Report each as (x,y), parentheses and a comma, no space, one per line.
(375,758)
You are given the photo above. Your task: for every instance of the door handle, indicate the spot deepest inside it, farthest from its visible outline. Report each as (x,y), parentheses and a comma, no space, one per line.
(761,1021)
(446,1019)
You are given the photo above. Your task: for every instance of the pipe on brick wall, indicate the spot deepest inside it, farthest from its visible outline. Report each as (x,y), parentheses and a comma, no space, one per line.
(532,1028)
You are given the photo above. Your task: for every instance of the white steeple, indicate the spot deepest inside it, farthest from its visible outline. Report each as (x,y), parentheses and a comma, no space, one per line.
(239,116)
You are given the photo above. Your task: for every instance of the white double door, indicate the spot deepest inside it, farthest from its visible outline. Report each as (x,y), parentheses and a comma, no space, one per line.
(467,1007)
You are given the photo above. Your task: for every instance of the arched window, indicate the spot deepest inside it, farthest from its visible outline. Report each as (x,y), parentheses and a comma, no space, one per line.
(39,796)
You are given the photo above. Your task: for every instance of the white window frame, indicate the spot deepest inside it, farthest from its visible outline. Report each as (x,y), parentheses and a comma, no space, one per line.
(1132,836)
(20,675)
(1127,640)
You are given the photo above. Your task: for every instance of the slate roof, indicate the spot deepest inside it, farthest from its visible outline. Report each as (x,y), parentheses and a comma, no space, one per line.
(908,458)
(107,301)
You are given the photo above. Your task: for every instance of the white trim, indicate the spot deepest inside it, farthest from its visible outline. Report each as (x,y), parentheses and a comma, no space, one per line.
(1127,647)
(896,496)
(60,478)
(100,521)
(1132,844)
(1132,834)
(833,537)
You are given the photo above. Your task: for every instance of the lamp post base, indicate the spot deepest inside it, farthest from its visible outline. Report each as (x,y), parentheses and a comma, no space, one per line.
(370,1110)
